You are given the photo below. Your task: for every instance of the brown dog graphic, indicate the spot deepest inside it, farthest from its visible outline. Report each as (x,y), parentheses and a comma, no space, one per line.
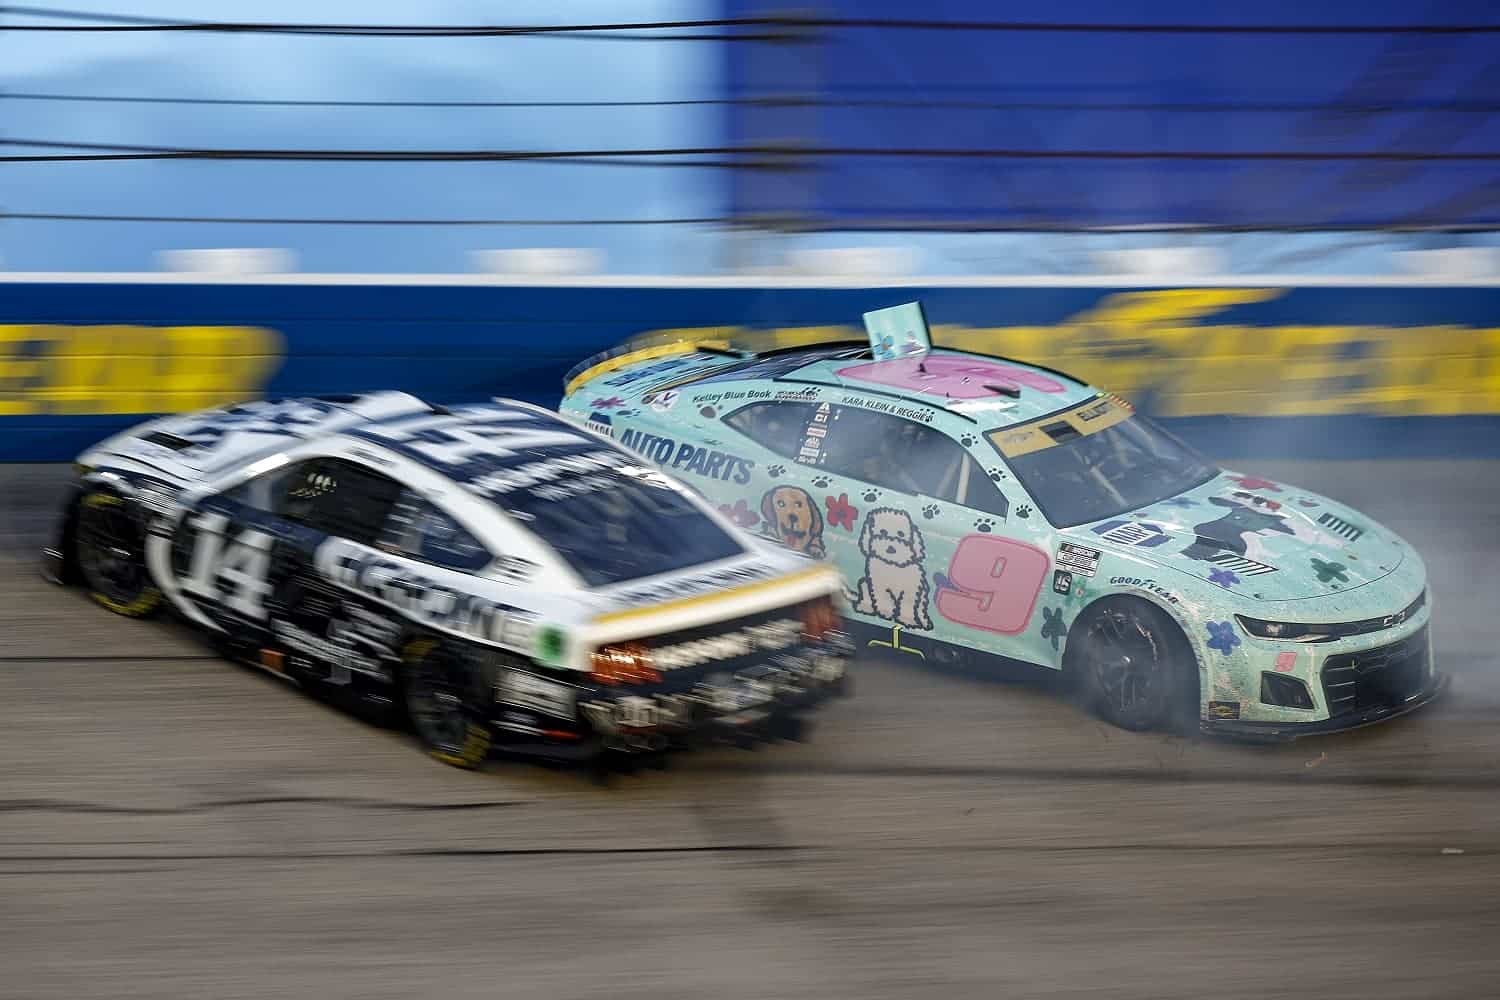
(894,586)
(794,520)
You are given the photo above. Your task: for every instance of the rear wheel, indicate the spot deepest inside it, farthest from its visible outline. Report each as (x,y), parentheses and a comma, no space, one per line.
(109,546)
(1132,665)
(433,688)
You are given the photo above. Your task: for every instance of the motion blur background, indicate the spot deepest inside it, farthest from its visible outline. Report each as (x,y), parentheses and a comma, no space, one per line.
(1271,224)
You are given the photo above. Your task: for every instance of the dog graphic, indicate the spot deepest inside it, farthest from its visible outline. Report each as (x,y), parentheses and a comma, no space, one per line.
(794,520)
(894,586)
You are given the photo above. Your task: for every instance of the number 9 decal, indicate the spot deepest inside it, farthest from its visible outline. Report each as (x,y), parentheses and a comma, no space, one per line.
(993,584)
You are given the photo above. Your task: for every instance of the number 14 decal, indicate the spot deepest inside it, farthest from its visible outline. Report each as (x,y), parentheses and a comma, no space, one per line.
(993,584)
(232,574)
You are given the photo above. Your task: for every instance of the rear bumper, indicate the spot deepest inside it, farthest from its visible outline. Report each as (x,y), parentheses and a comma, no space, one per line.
(754,703)
(1280,732)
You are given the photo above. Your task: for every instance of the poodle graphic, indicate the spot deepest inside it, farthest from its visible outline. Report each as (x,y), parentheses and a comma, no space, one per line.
(1237,531)
(894,586)
(794,520)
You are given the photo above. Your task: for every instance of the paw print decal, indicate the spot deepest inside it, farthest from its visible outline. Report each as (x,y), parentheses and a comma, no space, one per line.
(930,511)
(997,474)
(821,481)
(985,524)
(1053,628)
(968,440)
(1024,510)
(871,496)
(775,471)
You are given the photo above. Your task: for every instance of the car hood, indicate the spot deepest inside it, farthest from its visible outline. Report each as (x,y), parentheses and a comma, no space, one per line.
(1259,538)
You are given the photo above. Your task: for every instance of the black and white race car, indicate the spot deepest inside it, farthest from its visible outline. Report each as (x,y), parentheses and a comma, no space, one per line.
(508,579)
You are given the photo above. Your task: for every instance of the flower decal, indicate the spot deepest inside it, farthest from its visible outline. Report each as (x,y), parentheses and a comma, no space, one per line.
(1221,637)
(1052,625)
(608,403)
(1225,578)
(1330,572)
(740,514)
(1256,483)
(841,513)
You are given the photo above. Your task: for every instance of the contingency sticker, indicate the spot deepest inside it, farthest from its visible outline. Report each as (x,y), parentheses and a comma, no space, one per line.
(1079,558)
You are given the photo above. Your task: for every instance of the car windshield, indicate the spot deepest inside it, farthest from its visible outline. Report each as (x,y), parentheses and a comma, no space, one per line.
(622,524)
(1099,460)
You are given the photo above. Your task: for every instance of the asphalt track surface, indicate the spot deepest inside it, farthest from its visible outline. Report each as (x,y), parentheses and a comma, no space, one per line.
(172,825)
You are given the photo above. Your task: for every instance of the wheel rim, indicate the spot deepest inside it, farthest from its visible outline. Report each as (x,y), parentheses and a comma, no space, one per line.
(111,553)
(435,705)
(1126,661)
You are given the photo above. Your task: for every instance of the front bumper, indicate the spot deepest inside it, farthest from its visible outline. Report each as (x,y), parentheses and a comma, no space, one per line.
(1281,732)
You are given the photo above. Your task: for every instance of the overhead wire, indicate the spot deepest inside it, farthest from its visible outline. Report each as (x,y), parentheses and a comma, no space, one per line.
(1210,107)
(136,23)
(788,153)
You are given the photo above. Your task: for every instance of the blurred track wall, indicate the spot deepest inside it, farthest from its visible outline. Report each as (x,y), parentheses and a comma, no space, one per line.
(1365,371)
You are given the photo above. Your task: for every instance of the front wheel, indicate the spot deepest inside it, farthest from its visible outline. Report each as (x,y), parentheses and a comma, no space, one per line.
(1132,665)
(109,546)
(433,689)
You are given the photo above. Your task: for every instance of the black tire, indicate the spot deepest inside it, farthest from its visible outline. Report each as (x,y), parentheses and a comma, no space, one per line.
(1132,666)
(434,693)
(109,549)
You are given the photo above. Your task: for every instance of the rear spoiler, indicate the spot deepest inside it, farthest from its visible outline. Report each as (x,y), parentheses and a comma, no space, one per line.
(628,354)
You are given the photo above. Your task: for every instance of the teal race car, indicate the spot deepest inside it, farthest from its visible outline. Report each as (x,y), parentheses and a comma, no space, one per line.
(983,510)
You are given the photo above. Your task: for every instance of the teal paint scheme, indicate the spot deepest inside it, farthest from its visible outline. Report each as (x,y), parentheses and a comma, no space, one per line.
(976,504)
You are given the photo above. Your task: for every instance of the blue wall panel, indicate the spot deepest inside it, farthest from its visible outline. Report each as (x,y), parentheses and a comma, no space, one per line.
(1278,371)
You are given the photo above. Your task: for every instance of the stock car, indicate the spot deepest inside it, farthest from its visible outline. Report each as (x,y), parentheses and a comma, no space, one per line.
(506,579)
(984,511)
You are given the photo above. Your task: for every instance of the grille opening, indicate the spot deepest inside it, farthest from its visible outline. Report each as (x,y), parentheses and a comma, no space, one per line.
(1384,677)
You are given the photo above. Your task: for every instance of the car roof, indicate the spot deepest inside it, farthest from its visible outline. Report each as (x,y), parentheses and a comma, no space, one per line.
(951,380)
(492,447)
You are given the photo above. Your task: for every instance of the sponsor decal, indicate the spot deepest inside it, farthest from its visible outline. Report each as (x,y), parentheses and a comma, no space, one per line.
(768,636)
(689,458)
(687,586)
(894,407)
(1223,710)
(1150,586)
(526,690)
(661,402)
(421,598)
(483,435)
(1079,558)
(547,471)
(1062,581)
(334,650)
